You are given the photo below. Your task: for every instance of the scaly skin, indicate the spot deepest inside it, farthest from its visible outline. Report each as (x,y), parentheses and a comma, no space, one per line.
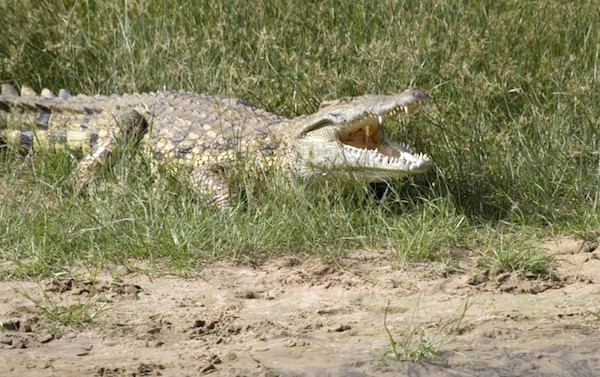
(209,134)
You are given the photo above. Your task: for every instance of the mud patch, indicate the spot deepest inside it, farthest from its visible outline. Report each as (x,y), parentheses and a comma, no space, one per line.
(293,317)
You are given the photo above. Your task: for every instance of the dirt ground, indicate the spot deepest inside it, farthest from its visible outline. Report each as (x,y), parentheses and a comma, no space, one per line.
(295,317)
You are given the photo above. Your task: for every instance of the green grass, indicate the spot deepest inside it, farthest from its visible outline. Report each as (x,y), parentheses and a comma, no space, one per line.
(513,127)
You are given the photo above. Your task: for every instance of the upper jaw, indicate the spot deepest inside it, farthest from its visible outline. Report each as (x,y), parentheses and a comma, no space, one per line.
(383,107)
(411,100)
(406,102)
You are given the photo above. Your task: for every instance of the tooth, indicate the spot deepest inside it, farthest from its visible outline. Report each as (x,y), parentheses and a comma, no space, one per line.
(406,109)
(380,119)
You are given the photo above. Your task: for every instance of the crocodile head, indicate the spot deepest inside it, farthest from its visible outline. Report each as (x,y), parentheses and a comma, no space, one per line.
(347,135)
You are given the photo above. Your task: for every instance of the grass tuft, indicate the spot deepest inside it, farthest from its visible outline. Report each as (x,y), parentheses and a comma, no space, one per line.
(64,315)
(512,254)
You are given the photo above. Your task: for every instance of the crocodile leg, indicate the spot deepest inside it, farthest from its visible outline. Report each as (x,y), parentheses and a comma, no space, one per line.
(94,161)
(131,128)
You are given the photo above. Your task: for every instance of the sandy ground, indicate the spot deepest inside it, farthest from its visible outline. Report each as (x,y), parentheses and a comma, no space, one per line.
(295,317)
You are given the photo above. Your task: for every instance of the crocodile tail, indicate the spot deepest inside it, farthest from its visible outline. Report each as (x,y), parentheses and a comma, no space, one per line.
(30,111)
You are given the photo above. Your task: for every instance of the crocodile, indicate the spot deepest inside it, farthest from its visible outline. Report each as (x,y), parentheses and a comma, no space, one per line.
(210,134)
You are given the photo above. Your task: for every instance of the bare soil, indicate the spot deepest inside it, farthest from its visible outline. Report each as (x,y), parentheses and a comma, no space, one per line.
(295,317)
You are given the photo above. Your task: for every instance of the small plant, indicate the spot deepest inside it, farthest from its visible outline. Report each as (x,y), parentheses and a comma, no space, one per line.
(417,344)
(595,313)
(70,315)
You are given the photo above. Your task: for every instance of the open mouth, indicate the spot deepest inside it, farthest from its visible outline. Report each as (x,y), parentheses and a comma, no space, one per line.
(367,144)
